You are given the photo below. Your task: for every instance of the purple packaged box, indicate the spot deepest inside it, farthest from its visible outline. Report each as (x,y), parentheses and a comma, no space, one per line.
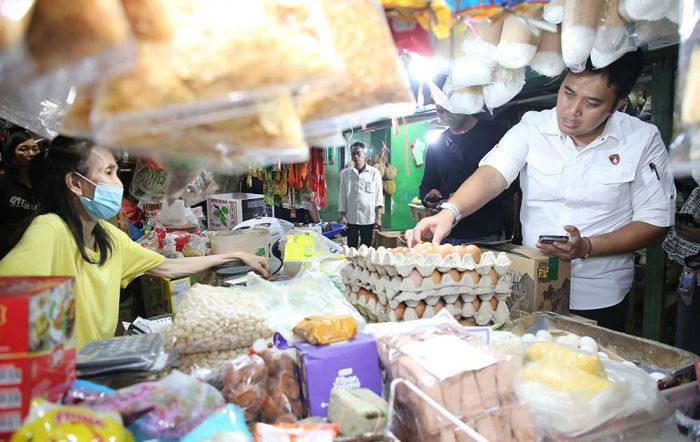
(343,365)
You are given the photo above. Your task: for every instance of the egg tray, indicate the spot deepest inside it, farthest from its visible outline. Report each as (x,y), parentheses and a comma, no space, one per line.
(386,262)
(471,307)
(451,283)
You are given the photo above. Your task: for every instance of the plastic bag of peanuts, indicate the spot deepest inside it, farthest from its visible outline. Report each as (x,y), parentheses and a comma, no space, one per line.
(265,386)
(217,318)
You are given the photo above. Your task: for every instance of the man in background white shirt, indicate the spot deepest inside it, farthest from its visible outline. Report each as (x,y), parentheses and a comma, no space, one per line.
(361,198)
(587,171)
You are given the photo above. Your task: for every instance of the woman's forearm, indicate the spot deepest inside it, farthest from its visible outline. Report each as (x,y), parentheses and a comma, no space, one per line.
(176,268)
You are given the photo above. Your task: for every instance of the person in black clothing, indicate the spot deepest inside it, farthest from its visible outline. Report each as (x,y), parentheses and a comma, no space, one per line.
(18,206)
(452,159)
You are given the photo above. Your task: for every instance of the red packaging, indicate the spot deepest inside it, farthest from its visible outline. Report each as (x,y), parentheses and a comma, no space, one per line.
(37,344)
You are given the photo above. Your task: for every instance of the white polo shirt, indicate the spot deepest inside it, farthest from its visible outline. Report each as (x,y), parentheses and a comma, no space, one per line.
(620,177)
(360,194)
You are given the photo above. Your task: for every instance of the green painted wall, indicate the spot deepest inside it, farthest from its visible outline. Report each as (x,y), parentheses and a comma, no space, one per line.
(330,212)
(408,180)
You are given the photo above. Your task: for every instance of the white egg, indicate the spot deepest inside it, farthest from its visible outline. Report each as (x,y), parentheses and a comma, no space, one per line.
(588,344)
(544,335)
(657,376)
(629,364)
(568,340)
(602,355)
(528,337)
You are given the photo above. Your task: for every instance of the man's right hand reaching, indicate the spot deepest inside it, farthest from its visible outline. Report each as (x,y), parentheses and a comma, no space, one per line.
(438,226)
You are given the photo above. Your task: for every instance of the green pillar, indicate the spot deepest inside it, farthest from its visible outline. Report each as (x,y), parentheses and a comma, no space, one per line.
(663,79)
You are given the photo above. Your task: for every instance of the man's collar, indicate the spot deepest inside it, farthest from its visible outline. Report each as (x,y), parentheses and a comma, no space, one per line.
(359,171)
(611,129)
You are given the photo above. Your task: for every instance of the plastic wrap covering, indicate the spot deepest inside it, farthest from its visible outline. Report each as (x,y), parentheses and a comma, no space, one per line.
(265,386)
(216,318)
(470,382)
(223,56)
(374,84)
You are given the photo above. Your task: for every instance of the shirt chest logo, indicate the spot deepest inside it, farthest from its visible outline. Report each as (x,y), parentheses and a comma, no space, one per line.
(614,159)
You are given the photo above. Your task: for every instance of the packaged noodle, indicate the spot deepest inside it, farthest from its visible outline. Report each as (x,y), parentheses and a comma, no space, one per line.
(374,84)
(47,421)
(222,57)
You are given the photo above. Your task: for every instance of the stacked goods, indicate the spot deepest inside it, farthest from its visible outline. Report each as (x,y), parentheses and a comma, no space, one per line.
(470,381)
(404,284)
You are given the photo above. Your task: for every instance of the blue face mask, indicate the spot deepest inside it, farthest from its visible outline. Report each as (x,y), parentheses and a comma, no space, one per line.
(106,202)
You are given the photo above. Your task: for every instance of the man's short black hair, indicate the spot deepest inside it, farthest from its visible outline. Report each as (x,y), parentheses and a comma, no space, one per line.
(621,74)
(360,144)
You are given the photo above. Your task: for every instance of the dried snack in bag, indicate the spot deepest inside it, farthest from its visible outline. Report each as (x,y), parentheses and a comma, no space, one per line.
(320,330)
(209,366)
(47,421)
(217,318)
(374,84)
(147,20)
(14,21)
(270,133)
(222,57)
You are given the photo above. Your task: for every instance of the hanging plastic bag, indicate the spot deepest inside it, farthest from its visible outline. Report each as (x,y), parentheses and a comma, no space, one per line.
(507,83)
(578,31)
(519,40)
(374,84)
(548,60)
(222,58)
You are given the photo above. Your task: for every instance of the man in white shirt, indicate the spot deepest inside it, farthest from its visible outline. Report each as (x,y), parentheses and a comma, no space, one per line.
(361,198)
(596,175)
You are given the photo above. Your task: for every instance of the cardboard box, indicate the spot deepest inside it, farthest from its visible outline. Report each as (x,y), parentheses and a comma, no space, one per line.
(163,295)
(388,240)
(226,210)
(37,344)
(346,365)
(540,282)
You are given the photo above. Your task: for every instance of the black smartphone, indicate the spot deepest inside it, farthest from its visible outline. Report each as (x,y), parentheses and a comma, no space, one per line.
(550,239)
(685,218)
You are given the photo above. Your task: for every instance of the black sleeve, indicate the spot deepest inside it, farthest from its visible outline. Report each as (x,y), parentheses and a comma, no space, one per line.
(431,174)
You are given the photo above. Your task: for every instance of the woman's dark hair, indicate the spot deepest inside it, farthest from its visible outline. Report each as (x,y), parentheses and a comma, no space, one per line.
(47,174)
(14,139)
(622,74)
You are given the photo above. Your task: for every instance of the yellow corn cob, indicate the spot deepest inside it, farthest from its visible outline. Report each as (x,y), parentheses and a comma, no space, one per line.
(548,350)
(563,377)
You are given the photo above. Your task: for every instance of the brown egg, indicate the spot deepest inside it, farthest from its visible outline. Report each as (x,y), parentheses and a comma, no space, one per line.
(400,310)
(420,309)
(494,276)
(455,275)
(475,276)
(436,277)
(439,306)
(372,297)
(477,304)
(447,249)
(494,303)
(474,251)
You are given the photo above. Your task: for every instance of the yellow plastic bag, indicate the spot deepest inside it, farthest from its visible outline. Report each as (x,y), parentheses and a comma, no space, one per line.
(50,422)
(321,330)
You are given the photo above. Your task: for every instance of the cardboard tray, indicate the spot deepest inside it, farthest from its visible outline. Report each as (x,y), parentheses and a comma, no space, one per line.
(647,354)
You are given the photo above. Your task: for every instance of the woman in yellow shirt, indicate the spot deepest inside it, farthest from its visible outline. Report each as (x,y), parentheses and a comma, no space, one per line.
(78,189)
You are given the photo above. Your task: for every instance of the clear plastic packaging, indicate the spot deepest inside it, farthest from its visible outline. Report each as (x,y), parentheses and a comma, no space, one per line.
(227,424)
(507,83)
(612,29)
(209,366)
(270,132)
(147,20)
(478,55)
(645,9)
(77,121)
(566,402)
(123,353)
(223,57)
(519,40)
(548,60)
(321,330)
(578,31)
(168,408)
(265,386)
(216,318)
(14,21)
(443,361)
(374,84)
(287,302)
(554,12)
